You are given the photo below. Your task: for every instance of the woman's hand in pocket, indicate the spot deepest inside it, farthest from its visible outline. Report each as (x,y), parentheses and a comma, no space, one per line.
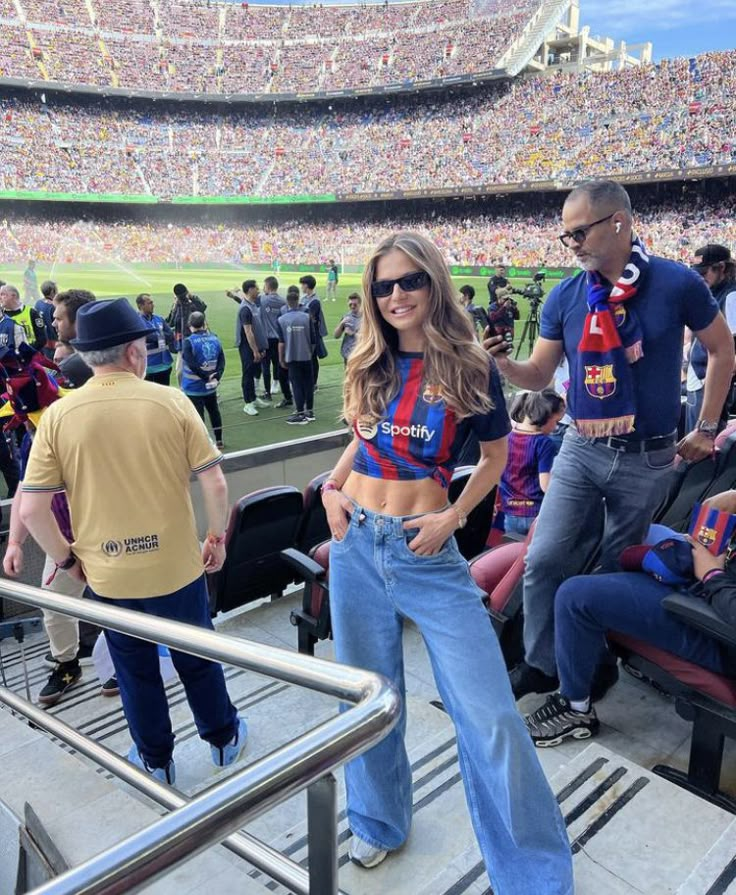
(434,530)
(339,510)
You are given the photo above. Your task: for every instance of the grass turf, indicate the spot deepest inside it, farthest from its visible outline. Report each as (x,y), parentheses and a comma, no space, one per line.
(240,431)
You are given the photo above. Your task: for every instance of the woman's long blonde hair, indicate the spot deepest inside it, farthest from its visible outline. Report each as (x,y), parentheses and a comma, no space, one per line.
(455,365)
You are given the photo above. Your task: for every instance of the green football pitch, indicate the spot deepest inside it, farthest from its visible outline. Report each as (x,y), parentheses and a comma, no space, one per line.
(240,431)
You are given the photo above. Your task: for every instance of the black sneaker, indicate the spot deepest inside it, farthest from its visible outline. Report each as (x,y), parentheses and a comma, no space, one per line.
(527,679)
(297,419)
(606,675)
(555,721)
(309,414)
(110,687)
(84,657)
(61,679)
(285,403)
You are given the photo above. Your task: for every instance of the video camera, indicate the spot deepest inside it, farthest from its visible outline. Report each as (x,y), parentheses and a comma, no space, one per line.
(533,291)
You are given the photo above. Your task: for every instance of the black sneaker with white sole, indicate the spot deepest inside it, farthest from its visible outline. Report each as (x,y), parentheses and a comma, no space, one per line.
(297,419)
(84,657)
(61,679)
(556,721)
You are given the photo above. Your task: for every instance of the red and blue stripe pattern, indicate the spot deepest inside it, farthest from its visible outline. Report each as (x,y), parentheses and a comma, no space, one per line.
(712,528)
(415,440)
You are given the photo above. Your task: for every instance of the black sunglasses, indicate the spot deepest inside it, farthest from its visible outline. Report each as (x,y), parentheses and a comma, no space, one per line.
(410,282)
(580,234)
(701,268)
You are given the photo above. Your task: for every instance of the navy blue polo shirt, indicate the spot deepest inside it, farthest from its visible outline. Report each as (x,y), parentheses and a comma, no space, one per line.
(671,298)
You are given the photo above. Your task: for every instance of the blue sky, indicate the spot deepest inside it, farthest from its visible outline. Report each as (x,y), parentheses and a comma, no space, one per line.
(669,24)
(675,27)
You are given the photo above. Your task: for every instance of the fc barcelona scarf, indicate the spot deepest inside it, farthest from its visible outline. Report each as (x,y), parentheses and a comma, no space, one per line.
(712,528)
(602,385)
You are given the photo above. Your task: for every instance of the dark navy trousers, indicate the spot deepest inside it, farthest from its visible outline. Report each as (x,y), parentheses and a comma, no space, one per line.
(142,689)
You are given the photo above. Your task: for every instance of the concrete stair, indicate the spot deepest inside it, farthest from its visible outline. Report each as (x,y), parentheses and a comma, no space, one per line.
(549,14)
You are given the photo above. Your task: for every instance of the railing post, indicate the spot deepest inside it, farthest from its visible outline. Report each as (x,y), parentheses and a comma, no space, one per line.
(322,836)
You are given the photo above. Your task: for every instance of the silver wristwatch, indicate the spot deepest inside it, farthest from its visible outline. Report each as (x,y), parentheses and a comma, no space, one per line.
(707,428)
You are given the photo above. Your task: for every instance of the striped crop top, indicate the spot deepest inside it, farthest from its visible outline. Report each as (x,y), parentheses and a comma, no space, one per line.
(420,437)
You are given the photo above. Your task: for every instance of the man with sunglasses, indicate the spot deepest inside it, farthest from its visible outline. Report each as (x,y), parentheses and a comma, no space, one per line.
(714,264)
(620,324)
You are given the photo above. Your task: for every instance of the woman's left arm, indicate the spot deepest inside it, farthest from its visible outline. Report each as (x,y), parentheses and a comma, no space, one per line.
(436,528)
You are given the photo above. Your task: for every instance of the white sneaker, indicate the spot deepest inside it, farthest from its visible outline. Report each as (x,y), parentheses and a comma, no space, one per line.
(262,402)
(275,387)
(250,409)
(365,855)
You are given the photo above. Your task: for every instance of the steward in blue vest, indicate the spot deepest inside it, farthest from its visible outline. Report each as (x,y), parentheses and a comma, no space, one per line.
(11,334)
(203,363)
(159,344)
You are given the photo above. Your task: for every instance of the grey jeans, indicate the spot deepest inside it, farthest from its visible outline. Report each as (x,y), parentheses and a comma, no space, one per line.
(595,493)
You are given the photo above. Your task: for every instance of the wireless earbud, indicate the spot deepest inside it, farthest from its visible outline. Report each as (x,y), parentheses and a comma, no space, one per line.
(618,226)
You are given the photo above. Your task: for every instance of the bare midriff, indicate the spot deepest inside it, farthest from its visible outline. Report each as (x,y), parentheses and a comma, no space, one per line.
(395,498)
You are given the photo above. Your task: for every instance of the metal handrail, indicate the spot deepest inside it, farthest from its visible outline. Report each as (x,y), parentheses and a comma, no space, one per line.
(220,810)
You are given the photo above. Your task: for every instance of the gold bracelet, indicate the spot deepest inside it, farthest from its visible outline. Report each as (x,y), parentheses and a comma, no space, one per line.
(462,519)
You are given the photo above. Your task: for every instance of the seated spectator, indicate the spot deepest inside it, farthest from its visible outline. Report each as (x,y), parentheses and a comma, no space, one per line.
(588,606)
(532,452)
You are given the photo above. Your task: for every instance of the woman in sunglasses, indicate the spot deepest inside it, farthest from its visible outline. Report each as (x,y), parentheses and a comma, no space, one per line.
(416,382)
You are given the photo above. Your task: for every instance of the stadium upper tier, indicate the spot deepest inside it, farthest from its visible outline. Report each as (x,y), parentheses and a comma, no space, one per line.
(226,48)
(521,235)
(679,115)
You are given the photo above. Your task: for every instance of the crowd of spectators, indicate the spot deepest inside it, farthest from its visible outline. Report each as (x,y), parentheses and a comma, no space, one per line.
(521,237)
(180,45)
(679,114)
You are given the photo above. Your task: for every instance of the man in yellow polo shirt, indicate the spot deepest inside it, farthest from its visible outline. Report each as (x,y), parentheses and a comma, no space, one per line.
(123,450)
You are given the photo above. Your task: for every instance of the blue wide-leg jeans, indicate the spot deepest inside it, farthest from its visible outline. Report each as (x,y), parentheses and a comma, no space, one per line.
(376,582)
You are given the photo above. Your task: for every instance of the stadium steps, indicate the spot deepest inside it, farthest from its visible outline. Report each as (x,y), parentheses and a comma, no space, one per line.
(84,813)
(91,12)
(542,23)
(633,832)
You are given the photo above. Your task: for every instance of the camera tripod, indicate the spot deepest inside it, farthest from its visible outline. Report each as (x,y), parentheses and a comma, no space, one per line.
(529,333)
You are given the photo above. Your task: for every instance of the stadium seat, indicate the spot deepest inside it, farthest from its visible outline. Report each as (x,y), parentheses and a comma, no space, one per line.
(313,527)
(262,524)
(312,620)
(471,540)
(499,574)
(706,699)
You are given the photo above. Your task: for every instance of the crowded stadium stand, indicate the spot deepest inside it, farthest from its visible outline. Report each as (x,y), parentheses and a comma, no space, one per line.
(674,117)
(226,48)
(469,235)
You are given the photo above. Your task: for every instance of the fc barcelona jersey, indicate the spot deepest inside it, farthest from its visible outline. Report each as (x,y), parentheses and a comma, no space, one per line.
(420,437)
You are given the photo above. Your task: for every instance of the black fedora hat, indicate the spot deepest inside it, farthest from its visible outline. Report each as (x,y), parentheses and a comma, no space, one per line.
(104,324)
